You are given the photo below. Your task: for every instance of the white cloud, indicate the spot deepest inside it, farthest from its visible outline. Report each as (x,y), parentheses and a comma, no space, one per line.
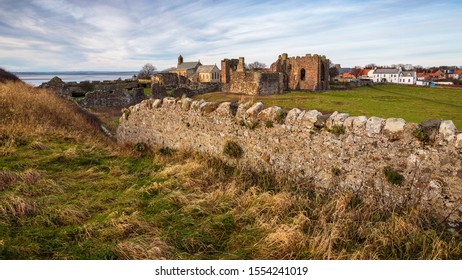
(123,35)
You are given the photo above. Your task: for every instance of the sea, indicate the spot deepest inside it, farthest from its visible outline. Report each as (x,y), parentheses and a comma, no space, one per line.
(37,78)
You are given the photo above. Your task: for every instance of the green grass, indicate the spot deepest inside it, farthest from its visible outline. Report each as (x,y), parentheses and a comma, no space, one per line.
(414,104)
(67,192)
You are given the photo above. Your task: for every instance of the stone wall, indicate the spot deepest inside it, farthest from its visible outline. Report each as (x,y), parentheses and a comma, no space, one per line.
(117,98)
(325,151)
(255,83)
(168,80)
(74,89)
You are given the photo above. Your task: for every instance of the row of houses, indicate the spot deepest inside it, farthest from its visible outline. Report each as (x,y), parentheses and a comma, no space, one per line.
(397,76)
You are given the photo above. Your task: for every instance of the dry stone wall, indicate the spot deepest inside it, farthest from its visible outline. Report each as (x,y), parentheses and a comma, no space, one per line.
(118,98)
(326,151)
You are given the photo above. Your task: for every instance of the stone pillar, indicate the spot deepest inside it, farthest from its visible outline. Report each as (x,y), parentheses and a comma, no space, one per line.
(225,71)
(241,65)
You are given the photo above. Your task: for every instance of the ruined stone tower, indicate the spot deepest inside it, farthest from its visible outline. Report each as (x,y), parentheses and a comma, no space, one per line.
(180,60)
(228,65)
(310,72)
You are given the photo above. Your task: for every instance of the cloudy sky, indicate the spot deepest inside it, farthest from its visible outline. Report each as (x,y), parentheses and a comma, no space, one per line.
(49,35)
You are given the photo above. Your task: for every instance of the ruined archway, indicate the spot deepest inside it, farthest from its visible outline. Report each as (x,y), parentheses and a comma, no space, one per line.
(302,74)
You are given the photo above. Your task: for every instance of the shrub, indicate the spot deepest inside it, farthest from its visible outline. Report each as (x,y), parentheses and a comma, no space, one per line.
(393,176)
(269,124)
(337,130)
(280,116)
(232,149)
(421,135)
(166,151)
(335,171)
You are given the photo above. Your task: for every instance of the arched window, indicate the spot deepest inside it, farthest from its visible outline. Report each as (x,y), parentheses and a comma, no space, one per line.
(323,72)
(302,74)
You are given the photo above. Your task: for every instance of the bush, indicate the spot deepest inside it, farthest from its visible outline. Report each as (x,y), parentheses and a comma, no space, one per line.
(232,149)
(166,151)
(393,176)
(337,130)
(269,124)
(280,116)
(335,171)
(421,135)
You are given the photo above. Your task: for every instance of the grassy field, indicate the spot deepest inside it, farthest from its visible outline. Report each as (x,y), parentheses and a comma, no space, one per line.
(69,192)
(414,104)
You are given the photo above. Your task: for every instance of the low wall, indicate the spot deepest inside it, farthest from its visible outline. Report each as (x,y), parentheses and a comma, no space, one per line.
(117,98)
(327,151)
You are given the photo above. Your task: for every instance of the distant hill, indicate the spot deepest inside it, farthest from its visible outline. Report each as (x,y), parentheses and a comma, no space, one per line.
(7,76)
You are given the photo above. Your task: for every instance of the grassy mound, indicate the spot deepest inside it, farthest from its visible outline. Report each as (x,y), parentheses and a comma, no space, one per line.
(6,76)
(66,193)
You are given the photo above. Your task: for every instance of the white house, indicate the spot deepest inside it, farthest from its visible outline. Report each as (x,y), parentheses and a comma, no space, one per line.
(386,75)
(407,77)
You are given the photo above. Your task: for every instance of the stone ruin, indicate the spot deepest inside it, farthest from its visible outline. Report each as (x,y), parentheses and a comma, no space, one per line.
(308,73)
(325,151)
(236,79)
(174,85)
(118,93)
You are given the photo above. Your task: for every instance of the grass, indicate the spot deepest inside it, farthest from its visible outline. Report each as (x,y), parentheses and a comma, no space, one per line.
(412,103)
(66,193)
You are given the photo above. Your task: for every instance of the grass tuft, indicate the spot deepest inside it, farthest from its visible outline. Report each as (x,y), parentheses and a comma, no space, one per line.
(393,176)
(232,149)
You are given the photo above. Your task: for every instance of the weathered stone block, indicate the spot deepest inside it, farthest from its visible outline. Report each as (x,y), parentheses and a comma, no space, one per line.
(196,104)
(321,121)
(241,109)
(169,102)
(308,119)
(394,125)
(359,124)
(292,116)
(330,120)
(374,126)
(447,130)
(156,103)
(226,109)
(186,103)
(348,124)
(458,143)
(253,111)
(208,107)
(339,119)
(269,114)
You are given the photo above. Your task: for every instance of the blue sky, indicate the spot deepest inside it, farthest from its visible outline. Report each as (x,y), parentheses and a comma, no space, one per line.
(46,35)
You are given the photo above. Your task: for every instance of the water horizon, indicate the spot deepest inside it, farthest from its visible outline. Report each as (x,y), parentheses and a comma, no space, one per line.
(36,78)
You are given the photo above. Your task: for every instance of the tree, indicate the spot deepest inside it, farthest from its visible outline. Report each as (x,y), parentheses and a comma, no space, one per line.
(333,72)
(256,65)
(370,66)
(146,71)
(356,72)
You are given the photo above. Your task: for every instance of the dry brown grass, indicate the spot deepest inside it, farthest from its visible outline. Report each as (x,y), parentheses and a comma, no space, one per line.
(26,111)
(144,248)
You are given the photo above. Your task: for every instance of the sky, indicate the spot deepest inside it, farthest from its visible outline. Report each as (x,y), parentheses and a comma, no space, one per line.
(117,35)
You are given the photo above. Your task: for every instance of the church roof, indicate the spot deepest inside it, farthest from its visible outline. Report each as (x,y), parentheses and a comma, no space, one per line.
(205,68)
(188,65)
